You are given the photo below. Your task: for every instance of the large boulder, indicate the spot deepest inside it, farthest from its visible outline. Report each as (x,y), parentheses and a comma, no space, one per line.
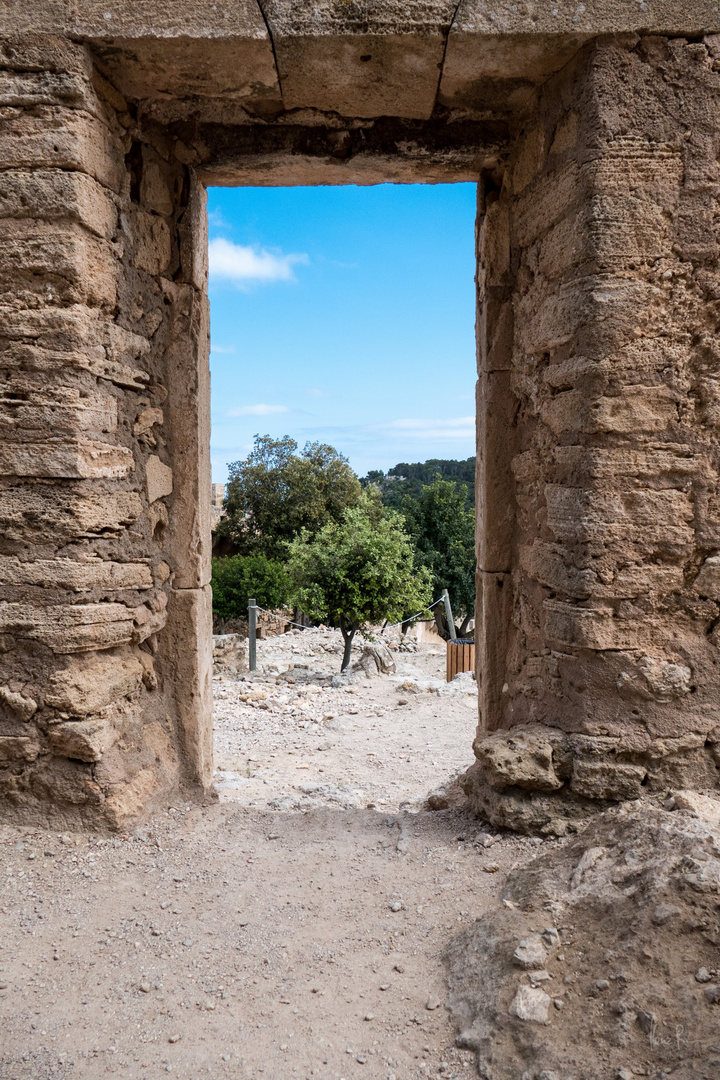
(602,959)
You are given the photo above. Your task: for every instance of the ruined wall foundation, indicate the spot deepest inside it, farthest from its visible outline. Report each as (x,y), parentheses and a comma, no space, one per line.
(599,301)
(104,617)
(594,137)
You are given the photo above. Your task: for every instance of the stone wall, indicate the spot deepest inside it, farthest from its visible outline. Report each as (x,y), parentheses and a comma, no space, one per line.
(598,390)
(104,606)
(599,540)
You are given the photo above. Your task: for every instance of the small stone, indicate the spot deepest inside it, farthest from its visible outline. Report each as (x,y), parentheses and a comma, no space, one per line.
(646,1020)
(712,994)
(559,1004)
(187,943)
(399,968)
(361,1059)
(548,1074)
(3,985)
(145,987)
(491,868)
(432,1003)
(702,975)
(602,984)
(663,913)
(369,1016)
(384,986)
(625,1074)
(531,1004)
(530,953)
(225,1057)
(174,1038)
(539,976)
(395,906)
(551,937)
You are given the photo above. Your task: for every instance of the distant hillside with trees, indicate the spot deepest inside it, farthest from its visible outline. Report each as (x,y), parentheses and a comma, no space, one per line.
(408,478)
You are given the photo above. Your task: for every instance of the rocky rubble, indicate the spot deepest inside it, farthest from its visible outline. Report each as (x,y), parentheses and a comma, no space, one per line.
(602,962)
(536,779)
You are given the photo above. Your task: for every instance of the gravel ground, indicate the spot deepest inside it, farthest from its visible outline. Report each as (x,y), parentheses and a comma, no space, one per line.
(241,941)
(295,734)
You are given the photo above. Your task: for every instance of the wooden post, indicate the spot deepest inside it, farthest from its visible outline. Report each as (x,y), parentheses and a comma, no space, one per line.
(252,634)
(449,615)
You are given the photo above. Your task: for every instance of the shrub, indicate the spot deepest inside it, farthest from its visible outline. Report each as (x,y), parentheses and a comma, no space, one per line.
(236,579)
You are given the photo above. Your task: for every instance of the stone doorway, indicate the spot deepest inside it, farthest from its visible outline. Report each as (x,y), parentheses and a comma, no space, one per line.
(598,531)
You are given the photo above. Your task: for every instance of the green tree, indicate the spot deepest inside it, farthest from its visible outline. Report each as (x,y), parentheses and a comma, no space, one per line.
(275,493)
(409,478)
(357,573)
(236,579)
(442,527)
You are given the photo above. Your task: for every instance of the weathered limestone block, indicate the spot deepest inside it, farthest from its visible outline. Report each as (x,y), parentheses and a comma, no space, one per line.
(68,629)
(55,262)
(152,242)
(707,583)
(362,60)
(20,705)
(524,760)
(70,457)
(85,740)
(607,780)
(158,479)
(655,678)
(128,801)
(188,413)
(547,564)
(185,657)
(80,576)
(30,513)
(90,684)
(58,138)
(56,195)
(25,408)
(18,748)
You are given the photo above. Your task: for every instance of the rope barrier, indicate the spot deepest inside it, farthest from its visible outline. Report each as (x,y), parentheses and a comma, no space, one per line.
(399,623)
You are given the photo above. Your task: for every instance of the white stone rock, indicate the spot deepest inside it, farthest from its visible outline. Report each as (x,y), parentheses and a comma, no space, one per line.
(530,953)
(531,1004)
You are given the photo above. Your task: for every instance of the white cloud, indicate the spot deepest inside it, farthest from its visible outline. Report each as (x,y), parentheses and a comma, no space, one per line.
(245,265)
(222,350)
(256,410)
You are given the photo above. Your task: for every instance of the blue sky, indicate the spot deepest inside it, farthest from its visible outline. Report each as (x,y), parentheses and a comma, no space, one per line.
(345,315)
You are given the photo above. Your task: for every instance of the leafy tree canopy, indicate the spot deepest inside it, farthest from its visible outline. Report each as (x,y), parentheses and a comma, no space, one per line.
(236,579)
(409,479)
(275,493)
(442,528)
(358,572)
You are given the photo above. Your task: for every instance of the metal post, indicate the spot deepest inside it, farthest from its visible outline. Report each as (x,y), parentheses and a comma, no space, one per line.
(252,627)
(449,615)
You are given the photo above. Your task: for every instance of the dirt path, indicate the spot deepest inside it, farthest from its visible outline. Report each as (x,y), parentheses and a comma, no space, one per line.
(244,942)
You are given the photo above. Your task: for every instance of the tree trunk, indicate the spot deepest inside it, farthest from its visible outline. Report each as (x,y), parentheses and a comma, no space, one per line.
(348,636)
(465,623)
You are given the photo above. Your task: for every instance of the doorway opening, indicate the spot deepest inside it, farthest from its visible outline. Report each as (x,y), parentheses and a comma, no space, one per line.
(342,341)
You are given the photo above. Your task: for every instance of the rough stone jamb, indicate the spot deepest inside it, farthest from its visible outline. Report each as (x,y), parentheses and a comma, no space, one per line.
(496,407)
(612,649)
(103,336)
